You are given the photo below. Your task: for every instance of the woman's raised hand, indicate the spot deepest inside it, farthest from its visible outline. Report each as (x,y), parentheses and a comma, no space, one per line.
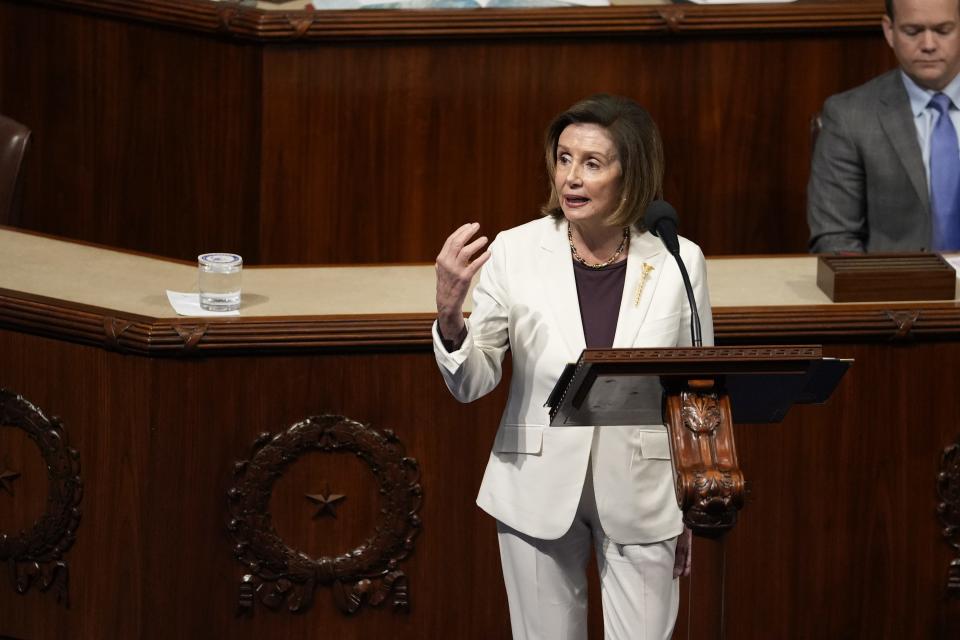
(456,266)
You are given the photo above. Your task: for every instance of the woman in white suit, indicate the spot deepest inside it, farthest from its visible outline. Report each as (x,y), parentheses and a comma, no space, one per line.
(587,274)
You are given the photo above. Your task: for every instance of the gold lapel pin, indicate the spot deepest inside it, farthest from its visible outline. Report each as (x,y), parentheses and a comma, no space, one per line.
(647,268)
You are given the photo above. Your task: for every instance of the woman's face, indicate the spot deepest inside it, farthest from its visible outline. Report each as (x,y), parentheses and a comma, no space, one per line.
(588,173)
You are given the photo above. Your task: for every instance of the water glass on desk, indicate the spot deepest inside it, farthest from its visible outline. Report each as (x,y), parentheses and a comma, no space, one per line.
(220,281)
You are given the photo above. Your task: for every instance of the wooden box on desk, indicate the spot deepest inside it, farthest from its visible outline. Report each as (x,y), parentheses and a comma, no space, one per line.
(886,276)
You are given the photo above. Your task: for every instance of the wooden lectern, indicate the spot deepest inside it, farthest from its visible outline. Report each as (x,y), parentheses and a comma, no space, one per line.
(705,390)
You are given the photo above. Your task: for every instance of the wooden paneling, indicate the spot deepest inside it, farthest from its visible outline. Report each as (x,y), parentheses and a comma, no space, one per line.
(143,138)
(411,140)
(158,440)
(838,539)
(371,145)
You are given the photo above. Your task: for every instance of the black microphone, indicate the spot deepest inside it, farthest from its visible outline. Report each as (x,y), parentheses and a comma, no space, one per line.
(661,219)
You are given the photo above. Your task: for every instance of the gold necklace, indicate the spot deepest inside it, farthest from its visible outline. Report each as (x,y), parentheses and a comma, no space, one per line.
(613,258)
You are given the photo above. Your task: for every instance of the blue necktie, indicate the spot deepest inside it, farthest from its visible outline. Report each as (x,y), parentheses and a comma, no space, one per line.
(944,178)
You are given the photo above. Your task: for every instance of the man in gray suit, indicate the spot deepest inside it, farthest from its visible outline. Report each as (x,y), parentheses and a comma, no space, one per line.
(885,168)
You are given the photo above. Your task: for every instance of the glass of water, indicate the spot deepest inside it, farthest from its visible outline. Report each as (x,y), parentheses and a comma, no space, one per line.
(220,281)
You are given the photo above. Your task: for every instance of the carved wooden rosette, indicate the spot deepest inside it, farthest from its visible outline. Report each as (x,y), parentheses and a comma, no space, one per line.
(368,572)
(37,554)
(709,483)
(948,509)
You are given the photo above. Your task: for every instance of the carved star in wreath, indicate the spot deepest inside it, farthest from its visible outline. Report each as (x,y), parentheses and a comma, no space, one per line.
(35,555)
(7,476)
(325,502)
(369,572)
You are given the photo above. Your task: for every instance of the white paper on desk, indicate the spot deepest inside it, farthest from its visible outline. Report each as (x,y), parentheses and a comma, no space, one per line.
(954,261)
(742,1)
(473,4)
(188,304)
(335,5)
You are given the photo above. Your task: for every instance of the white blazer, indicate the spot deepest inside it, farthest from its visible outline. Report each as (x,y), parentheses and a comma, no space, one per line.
(526,300)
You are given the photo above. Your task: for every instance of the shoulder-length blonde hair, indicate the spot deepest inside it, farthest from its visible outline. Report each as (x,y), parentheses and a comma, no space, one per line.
(639,149)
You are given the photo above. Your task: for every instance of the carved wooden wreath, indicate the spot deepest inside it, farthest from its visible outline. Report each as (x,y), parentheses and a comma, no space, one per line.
(38,552)
(368,572)
(948,489)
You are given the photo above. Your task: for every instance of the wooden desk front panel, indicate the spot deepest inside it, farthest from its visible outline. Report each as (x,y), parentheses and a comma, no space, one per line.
(372,149)
(839,538)
(158,439)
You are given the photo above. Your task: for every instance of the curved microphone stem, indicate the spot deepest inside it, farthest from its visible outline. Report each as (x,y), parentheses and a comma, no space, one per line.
(662,221)
(695,336)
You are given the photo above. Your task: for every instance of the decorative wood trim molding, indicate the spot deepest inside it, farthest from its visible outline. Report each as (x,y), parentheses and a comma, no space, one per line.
(368,572)
(834,323)
(276,25)
(707,354)
(73,322)
(36,555)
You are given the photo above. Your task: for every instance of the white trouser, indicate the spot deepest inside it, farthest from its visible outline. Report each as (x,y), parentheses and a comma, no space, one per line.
(547,584)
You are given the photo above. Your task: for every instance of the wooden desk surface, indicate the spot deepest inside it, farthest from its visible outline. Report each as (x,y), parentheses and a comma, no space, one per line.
(136,284)
(754,298)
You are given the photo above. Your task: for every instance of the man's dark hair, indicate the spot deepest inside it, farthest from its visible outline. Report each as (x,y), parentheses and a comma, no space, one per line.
(888,4)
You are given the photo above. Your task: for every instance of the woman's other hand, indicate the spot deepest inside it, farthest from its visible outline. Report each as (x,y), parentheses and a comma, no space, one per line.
(684,555)
(456,267)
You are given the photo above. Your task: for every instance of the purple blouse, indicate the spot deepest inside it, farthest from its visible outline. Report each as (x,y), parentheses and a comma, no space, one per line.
(599,292)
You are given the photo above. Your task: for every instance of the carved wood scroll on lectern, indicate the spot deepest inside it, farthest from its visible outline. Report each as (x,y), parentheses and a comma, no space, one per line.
(708,480)
(705,390)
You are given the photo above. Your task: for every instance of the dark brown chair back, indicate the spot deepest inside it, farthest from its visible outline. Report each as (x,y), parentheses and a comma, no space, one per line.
(14,140)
